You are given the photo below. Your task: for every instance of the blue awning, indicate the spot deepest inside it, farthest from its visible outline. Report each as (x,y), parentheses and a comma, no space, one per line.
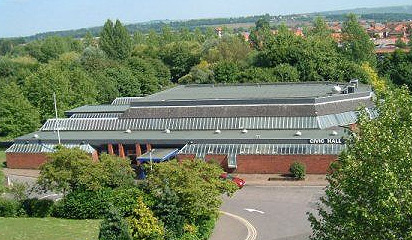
(158,155)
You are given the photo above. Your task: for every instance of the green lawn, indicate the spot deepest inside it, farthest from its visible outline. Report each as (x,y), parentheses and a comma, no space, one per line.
(48,228)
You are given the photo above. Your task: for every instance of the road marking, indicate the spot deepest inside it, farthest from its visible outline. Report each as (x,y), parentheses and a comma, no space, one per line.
(251,230)
(254,210)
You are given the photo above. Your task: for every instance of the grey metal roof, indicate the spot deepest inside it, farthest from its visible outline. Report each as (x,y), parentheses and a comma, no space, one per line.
(44,147)
(96,115)
(252,91)
(314,107)
(124,100)
(208,123)
(232,150)
(182,137)
(98,109)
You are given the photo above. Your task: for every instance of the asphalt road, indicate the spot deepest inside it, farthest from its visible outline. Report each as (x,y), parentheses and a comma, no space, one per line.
(30,183)
(280,211)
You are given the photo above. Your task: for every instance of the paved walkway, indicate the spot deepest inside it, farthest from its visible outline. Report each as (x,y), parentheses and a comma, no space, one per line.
(263,179)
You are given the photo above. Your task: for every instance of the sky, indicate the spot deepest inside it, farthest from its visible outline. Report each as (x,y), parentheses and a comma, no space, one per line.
(28,17)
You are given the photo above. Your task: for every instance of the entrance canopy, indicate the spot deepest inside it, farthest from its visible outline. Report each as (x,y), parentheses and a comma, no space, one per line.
(158,155)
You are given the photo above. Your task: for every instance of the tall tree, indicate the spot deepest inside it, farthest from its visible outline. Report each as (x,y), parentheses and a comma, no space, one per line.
(17,115)
(369,193)
(115,40)
(356,42)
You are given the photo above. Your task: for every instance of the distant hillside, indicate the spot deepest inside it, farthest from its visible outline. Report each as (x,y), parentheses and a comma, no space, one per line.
(381,14)
(394,9)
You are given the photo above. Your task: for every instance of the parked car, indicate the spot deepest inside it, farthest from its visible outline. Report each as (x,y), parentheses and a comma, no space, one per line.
(238,181)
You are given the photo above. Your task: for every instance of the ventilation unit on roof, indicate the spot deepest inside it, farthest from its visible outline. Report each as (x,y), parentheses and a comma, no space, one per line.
(351,89)
(166,130)
(128,131)
(244,130)
(334,133)
(336,89)
(298,133)
(217,131)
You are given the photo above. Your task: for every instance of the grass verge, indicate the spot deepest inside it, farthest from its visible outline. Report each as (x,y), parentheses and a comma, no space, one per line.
(48,228)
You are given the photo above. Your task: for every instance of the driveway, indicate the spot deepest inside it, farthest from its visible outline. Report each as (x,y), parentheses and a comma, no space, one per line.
(277,212)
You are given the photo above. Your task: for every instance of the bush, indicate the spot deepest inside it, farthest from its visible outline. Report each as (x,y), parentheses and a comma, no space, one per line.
(38,207)
(298,170)
(10,208)
(83,204)
(114,227)
(125,198)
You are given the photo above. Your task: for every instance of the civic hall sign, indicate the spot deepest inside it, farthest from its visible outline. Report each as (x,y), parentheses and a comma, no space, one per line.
(326,141)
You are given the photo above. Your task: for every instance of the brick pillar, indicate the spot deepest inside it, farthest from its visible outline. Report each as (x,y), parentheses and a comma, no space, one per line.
(138,150)
(148,147)
(110,149)
(121,151)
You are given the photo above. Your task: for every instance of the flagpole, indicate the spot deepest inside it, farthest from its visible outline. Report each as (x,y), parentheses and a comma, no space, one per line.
(57,120)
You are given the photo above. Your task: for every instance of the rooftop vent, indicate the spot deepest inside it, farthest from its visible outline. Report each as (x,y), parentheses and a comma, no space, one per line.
(334,133)
(354,82)
(35,136)
(128,131)
(244,130)
(298,133)
(257,136)
(166,130)
(336,89)
(217,131)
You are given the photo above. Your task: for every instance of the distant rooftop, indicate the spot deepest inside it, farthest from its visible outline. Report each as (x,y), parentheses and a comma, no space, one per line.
(251,91)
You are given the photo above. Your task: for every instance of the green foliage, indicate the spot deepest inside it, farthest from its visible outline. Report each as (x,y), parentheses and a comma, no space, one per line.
(286,73)
(125,198)
(196,184)
(369,193)
(143,224)
(83,204)
(114,227)
(10,208)
(298,170)
(180,57)
(226,72)
(68,169)
(400,43)
(17,115)
(65,77)
(397,67)
(51,48)
(357,45)
(72,169)
(227,48)
(115,40)
(38,207)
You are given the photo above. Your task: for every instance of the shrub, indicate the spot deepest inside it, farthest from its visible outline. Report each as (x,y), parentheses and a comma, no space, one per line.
(114,227)
(83,204)
(38,207)
(10,208)
(143,224)
(125,198)
(298,170)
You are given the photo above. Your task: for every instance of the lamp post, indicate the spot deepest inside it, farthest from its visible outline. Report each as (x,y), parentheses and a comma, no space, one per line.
(150,158)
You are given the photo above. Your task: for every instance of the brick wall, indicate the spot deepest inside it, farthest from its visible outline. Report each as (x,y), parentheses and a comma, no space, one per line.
(25,160)
(316,164)
(32,160)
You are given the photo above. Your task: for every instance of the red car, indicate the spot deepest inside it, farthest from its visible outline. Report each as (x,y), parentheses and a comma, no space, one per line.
(239,182)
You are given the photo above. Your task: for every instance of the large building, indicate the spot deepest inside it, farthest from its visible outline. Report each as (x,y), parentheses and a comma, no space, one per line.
(259,128)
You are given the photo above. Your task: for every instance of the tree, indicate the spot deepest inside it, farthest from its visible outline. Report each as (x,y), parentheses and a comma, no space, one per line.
(115,40)
(369,193)
(196,184)
(17,115)
(286,73)
(400,43)
(143,224)
(114,227)
(357,45)
(180,57)
(66,77)
(73,169)
(226,72)
(261,36)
